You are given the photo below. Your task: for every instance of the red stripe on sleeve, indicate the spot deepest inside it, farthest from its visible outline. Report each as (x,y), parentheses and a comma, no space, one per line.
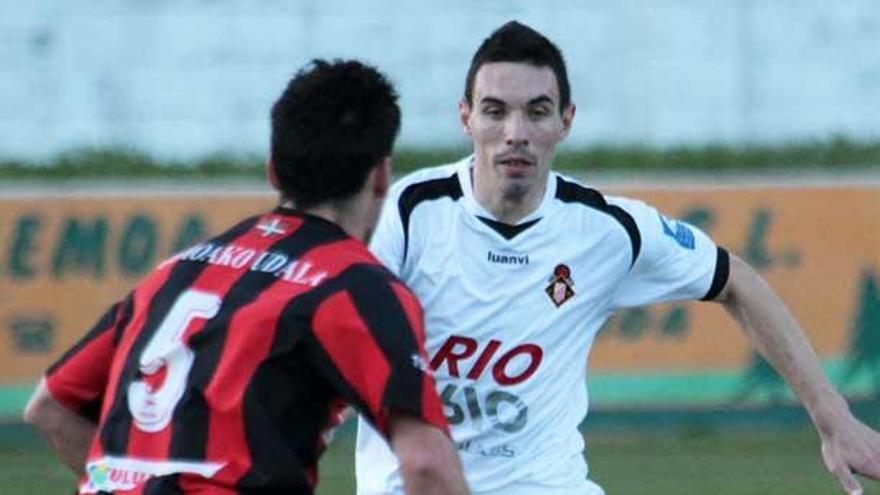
(345,337)
(82,377)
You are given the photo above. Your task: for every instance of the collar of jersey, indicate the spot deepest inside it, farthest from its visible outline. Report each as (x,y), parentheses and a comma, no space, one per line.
(469,202)
(314,219)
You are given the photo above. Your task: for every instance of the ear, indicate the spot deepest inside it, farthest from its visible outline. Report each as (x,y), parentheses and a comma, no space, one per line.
(567,119)
(271,175)
(464,113)
(381,178)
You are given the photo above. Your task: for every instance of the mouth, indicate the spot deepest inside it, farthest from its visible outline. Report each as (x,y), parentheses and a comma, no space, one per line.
(516,163)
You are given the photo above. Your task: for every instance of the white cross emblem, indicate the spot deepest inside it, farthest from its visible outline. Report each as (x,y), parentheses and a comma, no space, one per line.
(272,228)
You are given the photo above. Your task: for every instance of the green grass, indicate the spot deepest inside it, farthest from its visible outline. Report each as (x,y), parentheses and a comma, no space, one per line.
(719,463)
(727,461)
(828,154)
(27,466)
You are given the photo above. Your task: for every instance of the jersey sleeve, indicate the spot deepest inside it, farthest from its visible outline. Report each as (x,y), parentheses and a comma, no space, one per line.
(371,339)
(78,379)
(676,261)
(388,239)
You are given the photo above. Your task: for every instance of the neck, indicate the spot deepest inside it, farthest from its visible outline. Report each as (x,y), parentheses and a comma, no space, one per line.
(347,215)
(508,203)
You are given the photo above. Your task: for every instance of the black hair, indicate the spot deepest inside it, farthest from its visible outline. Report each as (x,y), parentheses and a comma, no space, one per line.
(516,42)
(333,123)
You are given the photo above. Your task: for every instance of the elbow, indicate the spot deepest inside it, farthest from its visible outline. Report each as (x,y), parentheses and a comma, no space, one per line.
(428,461)
(422,467)
(417,462)
(30,414)
(41,410)
(36,411)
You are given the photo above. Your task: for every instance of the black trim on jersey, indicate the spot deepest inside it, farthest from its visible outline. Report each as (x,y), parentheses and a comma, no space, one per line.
(505,229)
(424,191)
(191,416)
(722,273)
(115,430)
(570,192)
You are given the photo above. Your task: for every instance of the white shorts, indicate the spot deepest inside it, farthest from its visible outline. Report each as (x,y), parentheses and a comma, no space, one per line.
(586,488)
(568,477)
(528,488)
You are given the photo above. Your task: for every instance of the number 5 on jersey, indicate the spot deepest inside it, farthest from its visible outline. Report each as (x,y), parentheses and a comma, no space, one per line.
(166,361)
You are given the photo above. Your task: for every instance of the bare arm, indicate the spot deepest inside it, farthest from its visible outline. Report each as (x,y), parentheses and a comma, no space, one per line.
(69,434)
(848,445)
(428,460)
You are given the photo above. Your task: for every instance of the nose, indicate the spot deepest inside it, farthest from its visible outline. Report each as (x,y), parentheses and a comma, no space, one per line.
(516,130)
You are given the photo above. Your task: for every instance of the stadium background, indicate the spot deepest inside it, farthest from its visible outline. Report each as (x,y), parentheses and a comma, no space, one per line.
(783,96)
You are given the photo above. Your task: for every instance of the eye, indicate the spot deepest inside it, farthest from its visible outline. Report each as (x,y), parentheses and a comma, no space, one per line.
(493,111)
(537,113)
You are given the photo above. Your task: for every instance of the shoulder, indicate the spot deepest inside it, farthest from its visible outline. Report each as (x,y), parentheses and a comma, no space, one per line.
(375,289)
(571,192)
(357,264)
(623,212)
(368,272)
(428,183)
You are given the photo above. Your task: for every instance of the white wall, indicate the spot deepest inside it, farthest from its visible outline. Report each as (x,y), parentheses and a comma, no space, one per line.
(189,77)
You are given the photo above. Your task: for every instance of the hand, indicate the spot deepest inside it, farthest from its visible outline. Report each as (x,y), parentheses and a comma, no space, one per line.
(848,448)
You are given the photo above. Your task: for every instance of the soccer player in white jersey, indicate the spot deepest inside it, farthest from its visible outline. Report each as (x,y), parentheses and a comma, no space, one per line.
(518,267)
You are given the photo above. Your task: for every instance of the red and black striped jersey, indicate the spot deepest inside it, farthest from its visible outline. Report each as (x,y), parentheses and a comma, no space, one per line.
(224,369)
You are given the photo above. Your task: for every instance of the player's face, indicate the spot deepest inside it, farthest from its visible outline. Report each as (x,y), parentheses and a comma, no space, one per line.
(515,124)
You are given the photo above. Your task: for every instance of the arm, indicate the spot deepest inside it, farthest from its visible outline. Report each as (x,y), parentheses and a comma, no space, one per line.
(848,445)
(69,434)
(65,405)
(428,460)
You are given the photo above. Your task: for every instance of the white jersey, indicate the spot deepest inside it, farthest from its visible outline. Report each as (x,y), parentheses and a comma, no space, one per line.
(512,311)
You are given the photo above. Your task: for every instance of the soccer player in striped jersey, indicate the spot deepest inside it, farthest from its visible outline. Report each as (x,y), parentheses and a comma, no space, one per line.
(224,371)
(518,267)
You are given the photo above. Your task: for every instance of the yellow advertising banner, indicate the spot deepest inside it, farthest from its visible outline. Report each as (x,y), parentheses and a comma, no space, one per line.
(817,247)
(64,259)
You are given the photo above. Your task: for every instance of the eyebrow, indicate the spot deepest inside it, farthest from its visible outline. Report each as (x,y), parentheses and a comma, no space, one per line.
(491,100)
(541,99)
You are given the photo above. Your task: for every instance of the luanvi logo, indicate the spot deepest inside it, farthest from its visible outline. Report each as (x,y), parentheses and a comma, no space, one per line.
(508,259)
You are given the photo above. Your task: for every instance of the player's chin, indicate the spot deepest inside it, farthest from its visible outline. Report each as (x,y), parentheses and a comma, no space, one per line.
(516,186)
(518,171)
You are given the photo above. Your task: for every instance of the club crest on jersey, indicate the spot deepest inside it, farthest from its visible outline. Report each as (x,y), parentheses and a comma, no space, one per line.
(561,285)
(678,231)
(275,227)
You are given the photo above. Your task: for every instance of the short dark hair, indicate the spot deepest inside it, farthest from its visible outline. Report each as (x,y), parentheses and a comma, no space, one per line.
(334,122)
(516,42)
